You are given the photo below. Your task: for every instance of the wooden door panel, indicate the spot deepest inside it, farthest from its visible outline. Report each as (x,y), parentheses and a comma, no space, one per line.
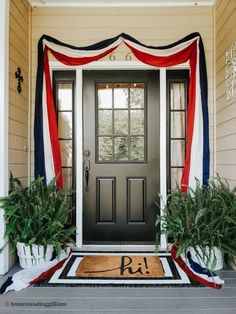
(136,199)
(106,199)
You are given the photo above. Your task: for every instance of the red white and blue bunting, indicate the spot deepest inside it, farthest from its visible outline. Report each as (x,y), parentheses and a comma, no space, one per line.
(187,50)
(35,274)
(195,271)
(52,272)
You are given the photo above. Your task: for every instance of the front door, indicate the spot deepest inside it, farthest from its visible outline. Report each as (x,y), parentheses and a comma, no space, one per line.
(121,156)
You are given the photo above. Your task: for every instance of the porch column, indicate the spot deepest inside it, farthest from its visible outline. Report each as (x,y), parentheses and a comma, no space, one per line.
(4,104)
(163,177)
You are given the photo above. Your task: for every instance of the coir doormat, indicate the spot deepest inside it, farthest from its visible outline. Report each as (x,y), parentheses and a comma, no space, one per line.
(119,269)
(124,266)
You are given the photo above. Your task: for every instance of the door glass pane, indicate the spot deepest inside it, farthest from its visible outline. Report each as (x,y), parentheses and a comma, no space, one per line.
(137,148)
(121,129)
(105,148)
(65,96)
(137,122)
(67,178)
(121,148)
(176,174)
(121,94)
(137,95)
(66,153)
(177,152)
(64,83)
(105,122)
(177,124)
(177,96)
(65,125)
(121,123)
(104,95)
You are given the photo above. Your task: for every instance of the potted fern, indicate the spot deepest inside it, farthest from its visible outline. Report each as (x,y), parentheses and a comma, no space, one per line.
(35,220)
(203,221)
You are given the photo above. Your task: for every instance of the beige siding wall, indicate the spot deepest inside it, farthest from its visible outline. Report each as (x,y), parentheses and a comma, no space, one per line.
(18,103)
(225,29)
(153,26)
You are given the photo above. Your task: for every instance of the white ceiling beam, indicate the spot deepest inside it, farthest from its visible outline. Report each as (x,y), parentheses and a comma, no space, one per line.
(115,3)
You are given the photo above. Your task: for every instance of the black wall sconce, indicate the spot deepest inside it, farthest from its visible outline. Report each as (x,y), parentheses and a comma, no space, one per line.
(20,79)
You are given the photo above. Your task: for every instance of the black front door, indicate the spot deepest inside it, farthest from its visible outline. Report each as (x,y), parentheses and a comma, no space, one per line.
(121,155)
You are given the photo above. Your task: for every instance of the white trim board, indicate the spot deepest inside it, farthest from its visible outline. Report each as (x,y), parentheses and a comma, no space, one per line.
(120,3)
(4,104)
(163,130)
(111,65)
(115,248)
(114,65)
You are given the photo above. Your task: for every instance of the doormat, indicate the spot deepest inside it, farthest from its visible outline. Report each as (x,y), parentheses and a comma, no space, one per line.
(119,269)
(124,266)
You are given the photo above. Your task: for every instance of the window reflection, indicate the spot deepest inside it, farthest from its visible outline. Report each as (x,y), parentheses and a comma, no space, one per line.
(105,122)
(104,95)
(178,124)
(137,148)
(176,174)
(67,177)
(137,95)
(66,153)
(65,125)
(105,148)
(121,148)
(177,96)
(65,96)
(65,129)
(137,122)
(121,94)
(177,153)
(121,122)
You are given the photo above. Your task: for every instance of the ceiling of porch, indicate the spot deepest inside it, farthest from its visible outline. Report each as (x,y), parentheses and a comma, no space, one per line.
(119,3)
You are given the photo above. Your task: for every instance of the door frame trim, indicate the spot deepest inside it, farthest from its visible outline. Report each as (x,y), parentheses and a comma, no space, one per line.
(114,65)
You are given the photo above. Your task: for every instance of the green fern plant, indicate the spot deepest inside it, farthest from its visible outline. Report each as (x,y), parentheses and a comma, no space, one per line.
(201,218)
(37,214)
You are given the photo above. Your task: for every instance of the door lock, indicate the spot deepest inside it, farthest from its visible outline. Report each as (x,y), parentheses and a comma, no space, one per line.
(87,153)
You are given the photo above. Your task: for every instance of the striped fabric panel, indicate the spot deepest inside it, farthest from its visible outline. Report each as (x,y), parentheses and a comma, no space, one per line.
(189,49)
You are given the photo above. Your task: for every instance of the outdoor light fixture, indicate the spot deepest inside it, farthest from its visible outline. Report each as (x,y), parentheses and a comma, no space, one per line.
(19,78)
(230,74)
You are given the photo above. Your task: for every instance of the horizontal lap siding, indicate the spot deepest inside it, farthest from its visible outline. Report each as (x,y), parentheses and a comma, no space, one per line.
(225,17)
(152,26)
(18,103)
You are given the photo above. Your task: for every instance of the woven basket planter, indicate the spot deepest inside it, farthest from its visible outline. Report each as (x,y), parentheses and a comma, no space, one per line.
(33,255)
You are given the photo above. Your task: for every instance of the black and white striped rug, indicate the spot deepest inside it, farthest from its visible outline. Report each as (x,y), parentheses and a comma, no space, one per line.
(66,276)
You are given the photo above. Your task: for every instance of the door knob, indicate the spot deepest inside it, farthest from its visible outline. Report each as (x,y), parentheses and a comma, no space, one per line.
(86,171)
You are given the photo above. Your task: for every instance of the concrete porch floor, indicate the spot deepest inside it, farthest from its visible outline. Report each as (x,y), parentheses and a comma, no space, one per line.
(82,300)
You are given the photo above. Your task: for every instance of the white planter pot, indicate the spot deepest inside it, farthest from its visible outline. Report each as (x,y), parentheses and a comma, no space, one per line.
(33,255)
(202,260)
(233,264)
